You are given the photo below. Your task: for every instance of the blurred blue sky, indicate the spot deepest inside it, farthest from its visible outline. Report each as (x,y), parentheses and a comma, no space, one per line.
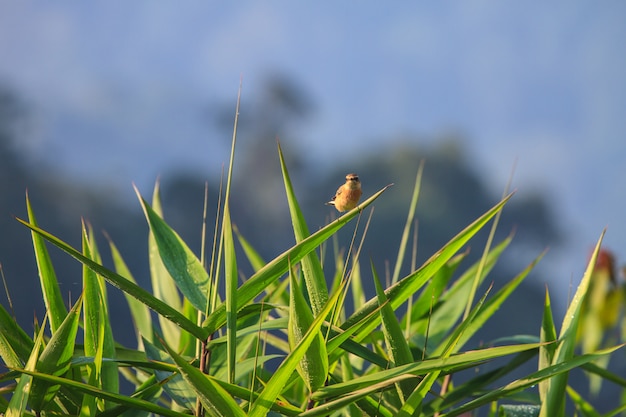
(119,90)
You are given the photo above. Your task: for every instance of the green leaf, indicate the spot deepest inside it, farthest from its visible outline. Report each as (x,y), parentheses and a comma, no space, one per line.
(149,390)
(342,338)
(163,286)
(185,268)
(98,339)
(398,293)
(8,355)
(94,318)
(230,265)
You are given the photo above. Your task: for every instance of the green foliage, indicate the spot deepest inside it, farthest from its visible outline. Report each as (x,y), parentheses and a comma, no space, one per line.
(284,341)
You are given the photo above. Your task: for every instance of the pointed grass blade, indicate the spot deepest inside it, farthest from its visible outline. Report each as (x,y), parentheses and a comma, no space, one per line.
(47,277)
(230,275)
(311,265)
(554,404)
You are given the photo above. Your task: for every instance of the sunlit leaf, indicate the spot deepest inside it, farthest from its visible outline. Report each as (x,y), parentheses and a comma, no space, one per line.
(55,358)
(554,403)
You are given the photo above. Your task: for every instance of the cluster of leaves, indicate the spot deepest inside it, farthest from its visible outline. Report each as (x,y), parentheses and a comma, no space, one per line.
(283,342)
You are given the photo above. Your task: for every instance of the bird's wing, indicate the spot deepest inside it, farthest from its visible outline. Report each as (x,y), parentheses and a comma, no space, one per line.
(332,200)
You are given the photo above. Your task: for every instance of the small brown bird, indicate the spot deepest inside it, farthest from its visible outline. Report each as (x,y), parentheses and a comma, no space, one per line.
(347,196)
